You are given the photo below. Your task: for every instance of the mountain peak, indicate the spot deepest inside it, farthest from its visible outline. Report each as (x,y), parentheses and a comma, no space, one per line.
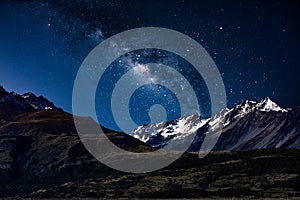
(250,125)
(2,91)
(40,102)
(1,88)
(28,94)
(28,101)
(267,100)
(266,104)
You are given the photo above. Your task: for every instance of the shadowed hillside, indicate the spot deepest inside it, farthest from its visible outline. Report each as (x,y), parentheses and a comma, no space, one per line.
(41,156)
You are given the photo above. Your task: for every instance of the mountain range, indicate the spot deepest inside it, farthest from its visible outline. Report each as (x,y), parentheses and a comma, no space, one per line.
(41,155)
(13,103)
(250,125)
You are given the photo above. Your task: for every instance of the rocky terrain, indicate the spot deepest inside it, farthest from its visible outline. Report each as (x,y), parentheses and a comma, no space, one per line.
(41,156)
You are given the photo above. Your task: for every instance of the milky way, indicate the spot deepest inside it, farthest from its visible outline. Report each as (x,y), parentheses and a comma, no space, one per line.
(254,44)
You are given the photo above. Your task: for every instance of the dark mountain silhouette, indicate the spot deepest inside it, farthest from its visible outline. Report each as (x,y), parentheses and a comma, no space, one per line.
(12,103)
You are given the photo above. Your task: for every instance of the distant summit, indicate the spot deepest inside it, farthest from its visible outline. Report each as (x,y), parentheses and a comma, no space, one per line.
(39,103)
(11,102)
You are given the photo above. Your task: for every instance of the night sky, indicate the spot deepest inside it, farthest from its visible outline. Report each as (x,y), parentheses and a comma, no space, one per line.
(255,45)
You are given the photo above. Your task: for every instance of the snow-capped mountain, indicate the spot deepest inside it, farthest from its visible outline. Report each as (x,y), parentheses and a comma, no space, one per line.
(11,101)
(39,103)
(158,135)
(250,125)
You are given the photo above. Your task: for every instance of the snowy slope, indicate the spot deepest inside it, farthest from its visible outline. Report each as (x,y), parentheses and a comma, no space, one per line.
(250,125)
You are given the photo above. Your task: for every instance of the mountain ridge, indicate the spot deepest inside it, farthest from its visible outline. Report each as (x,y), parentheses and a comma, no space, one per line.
(25,102)
(243,127)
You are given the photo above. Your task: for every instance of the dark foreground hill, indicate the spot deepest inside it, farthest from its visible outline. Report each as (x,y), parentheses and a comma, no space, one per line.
(41,156)
(36,147)
(264,173)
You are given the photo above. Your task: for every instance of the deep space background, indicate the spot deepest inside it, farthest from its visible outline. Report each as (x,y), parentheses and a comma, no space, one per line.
(255,45)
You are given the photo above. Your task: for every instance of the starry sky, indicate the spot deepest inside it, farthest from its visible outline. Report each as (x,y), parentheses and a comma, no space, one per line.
(255,45)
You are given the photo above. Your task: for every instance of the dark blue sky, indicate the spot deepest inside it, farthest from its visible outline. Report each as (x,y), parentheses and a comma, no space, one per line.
(255,44)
